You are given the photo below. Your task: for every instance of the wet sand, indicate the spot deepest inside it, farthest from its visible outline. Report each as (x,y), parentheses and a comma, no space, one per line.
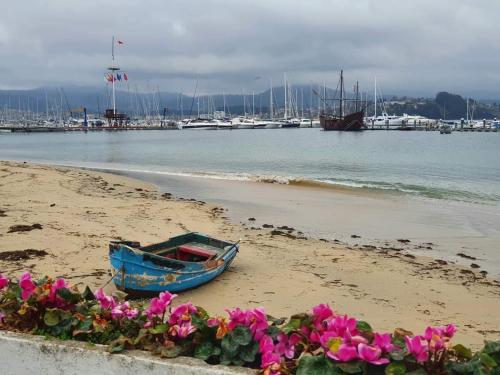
(71,215)
(377,217)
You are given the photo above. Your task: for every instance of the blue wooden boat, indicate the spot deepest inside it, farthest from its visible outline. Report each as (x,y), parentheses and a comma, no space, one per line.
(183,262)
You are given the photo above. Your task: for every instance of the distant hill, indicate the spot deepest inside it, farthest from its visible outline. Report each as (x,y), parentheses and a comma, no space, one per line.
(444,105)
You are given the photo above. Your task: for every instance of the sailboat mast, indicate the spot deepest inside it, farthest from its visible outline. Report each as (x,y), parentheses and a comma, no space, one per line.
(271,100)
(253,104)
(341,94)
(375,113)
(357,96)
(113,66)
(286,89)
(467,111)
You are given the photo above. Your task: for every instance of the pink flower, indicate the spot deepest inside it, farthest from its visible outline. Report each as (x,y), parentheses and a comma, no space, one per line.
(415,347)
(449,330)
(371,354)
(258,323)
(270,359)
(58,284)
(27,286)
(124,310)
(213,322)
(159,304)
(355,340)
(266,344)
(182,313)
(286,345)
(384,342)
(3,281)
(321,313)
(106,302)
(315,336)
(236,317)
(345,353)
(182,330)
(255,319)
(185,329)
(343,326)
(2,316)
(336,348)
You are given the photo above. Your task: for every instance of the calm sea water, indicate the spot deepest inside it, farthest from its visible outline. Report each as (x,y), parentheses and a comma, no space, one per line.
(460,166)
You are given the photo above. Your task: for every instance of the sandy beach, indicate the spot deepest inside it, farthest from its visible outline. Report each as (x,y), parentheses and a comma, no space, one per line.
(69,215)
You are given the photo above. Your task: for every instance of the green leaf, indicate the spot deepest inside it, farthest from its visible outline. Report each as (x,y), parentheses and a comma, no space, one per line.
(364,327)
(462,352)
(351,367)
(481,371)
(397,355)
(199,322)
(83,328)
(229,347)
(241,335)
(204,351)
(237,362)
(202,313)
(395,368)
(226,359)
(275,321)
(120,344)
(52,317)
(68,295)
(170,352)
(316,365)
(487,360)
(292,325)
(247,353)
(492,347)
(273,331)
(159,329)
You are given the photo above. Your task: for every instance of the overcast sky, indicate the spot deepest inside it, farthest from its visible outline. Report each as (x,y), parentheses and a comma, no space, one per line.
(411,46)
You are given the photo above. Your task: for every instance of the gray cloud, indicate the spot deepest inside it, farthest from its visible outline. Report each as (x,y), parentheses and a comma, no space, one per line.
(412,46)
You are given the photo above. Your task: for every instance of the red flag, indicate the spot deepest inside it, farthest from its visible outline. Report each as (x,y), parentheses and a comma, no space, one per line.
(125,76)
(119,42)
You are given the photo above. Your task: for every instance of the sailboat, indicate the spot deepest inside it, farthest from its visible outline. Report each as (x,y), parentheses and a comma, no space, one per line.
(342,121)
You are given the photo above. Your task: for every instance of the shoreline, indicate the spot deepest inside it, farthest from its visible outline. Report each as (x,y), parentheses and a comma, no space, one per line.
(458,231)
(389,287)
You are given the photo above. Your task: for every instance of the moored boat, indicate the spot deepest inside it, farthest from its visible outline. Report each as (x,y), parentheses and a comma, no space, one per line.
(341,121)
(183,262)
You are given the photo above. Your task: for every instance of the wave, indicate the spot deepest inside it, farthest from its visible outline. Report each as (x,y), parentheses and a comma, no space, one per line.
(432,192)
(341,184)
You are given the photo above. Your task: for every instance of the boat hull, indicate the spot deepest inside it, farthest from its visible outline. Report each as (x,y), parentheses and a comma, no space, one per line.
(351,122)
(143,273)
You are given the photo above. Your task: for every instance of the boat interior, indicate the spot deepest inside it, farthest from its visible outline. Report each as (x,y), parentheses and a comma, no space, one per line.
(189,252)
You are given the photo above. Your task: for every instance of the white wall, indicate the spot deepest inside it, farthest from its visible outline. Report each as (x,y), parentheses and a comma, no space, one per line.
(32,355)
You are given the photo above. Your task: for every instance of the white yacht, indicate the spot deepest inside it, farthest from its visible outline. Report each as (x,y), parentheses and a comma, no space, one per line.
(384,120)
(305,123)
(199,123)
(415,120)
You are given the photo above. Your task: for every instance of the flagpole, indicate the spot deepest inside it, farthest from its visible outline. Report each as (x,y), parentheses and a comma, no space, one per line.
(113,65)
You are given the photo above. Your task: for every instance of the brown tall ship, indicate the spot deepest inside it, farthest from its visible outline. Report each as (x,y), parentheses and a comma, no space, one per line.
(341,121)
